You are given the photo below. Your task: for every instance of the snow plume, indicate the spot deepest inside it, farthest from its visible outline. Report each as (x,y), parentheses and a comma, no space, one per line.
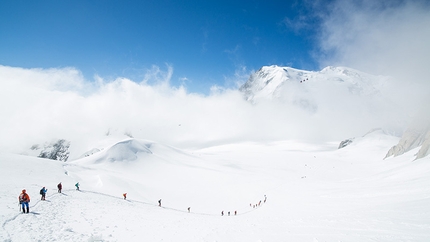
(383,38)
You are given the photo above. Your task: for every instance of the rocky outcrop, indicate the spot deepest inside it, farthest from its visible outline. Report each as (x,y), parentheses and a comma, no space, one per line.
(58,150)
(345,143)
(411,139)
(425,148)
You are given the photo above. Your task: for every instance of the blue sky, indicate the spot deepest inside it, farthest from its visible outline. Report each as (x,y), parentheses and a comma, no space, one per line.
(205,42)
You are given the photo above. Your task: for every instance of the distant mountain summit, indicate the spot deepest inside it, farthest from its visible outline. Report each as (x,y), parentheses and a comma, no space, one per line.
(267,82)
(272,81)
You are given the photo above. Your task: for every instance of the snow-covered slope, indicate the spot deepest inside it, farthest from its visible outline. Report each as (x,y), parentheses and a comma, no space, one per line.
(315,192)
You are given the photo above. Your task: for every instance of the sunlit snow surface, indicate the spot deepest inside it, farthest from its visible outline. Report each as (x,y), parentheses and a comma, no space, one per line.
(315,192)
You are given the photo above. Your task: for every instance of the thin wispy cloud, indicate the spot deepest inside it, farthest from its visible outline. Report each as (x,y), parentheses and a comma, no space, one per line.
(300,23)
(155,74)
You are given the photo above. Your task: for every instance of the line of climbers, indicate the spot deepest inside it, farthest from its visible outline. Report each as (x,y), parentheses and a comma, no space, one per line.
(259,203)
(222,213)
(304,80)
(24,199)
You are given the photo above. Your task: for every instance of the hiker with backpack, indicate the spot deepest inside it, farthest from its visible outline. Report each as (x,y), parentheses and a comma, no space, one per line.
(60,187)
(43,192)
(24,199)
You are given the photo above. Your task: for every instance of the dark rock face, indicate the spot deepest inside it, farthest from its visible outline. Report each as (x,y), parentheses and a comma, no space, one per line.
(345,143)
(58,150)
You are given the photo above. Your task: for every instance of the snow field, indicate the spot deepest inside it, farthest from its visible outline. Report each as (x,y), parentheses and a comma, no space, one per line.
(315,192)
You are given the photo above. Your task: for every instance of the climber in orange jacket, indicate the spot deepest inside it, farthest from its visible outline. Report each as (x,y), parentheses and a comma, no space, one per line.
(24,199)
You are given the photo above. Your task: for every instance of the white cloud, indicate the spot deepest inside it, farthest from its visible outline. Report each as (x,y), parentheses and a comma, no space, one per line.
(372,38)
(380,37)
(59,79)
(37,112)
(41,105)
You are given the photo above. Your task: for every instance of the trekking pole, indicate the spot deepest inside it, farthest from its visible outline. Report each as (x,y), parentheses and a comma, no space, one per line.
(19,205)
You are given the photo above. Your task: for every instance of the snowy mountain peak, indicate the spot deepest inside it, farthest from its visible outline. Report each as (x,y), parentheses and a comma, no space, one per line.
(130,151)
(127,150)
(274,81)
(267,81)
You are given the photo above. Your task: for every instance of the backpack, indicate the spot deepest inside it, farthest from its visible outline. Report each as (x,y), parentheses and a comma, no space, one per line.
(23,197)
(41,191)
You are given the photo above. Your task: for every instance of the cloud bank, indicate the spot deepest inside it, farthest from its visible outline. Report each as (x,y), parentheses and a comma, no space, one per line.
(43,105)
(383,38)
